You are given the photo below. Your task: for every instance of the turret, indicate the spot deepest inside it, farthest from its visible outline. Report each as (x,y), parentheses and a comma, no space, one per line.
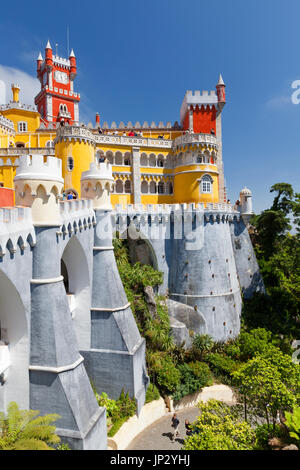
(221,92)
(73,67)
(48,55)
(39,62)
(15,89)
(38,184)
(96,184)
(245,206)
(97,120)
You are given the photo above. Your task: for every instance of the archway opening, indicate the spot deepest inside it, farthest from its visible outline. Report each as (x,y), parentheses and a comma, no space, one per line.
(14,347)
(76,274)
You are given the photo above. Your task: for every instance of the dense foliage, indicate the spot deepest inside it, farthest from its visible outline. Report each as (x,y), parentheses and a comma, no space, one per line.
(218,428)
(25,430)
(278,254)
(118,411)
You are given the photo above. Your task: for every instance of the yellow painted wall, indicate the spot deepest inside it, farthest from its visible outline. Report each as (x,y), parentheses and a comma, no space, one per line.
(83,155)
(187,188)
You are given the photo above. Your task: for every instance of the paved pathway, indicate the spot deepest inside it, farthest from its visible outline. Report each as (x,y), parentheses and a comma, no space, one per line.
(158,435)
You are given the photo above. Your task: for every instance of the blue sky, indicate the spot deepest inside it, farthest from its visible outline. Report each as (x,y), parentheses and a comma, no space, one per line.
(137,58)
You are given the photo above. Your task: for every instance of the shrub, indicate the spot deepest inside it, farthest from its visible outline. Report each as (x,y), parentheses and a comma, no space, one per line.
(152,393)
(218,429)
(221,365)
(110,404)
(263,434)
(194,376)
(168,377)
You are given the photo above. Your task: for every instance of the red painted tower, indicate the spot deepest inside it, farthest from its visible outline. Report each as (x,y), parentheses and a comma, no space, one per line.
(57,100)
(199,111)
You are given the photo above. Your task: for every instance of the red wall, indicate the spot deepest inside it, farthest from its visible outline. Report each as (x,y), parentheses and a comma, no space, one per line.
(204,120)
(6,197)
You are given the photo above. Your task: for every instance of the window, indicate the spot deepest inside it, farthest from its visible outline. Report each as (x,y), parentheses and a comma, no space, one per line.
(70,163)
(22,126)
(161,188)
(206,184)
(128,186)
(199,159)
(50,144)
(1,184)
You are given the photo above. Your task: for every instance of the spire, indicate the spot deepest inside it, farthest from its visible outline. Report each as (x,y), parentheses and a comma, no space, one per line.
(72,54)
(221,81)
(48,46)
(40,57)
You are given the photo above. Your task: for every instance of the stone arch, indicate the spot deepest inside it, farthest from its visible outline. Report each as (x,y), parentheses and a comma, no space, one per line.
(14,334)
(75,270)
(140,247)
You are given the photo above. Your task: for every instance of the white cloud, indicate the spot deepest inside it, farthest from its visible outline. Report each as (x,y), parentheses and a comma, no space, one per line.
(29,86)
(279,101)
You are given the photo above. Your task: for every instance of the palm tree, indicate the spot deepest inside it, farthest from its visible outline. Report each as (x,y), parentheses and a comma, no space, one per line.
(25,430)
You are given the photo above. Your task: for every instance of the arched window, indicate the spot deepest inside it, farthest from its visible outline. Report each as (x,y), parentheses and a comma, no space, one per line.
(152,187)
(199,159)
(119,186)
(144,187)
(160,162)
(127,186)
(161,187)
(50,144)
(70,163)
(206,184)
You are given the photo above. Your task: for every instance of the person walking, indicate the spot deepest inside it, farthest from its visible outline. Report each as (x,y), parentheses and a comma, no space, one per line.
(175,425)
(188,428)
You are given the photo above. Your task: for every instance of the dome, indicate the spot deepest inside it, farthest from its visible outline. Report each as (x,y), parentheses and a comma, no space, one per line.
(246,192)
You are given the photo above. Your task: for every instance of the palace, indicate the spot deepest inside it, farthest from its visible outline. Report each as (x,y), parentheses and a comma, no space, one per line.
(65,319)
(152,164)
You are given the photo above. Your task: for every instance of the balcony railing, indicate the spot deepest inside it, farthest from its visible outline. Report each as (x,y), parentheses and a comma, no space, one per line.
(186,139)
(84,133)
(16,151)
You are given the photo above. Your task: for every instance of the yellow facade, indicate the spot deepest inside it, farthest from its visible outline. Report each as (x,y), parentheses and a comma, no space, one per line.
(163,174)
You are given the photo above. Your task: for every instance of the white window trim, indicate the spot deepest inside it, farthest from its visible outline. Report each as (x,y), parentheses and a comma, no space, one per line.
(21,125)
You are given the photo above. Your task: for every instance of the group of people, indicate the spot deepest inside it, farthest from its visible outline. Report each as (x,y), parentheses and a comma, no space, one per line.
(68,196)
(175,425)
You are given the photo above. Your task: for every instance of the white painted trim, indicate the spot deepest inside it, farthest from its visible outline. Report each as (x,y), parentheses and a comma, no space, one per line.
(103,248)
(58,370)
(117,309)
(205,296)
(47,281)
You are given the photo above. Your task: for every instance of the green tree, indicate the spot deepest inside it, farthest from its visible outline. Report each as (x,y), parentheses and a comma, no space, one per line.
(269,383)
(217,428)
(293,423)
(25,430)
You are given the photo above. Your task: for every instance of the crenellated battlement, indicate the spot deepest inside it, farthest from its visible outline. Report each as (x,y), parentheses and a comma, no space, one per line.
(38,167)
(16,229)
(98,171)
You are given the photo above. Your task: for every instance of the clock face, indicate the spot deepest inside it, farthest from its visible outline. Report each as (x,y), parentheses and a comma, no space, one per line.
(61,77)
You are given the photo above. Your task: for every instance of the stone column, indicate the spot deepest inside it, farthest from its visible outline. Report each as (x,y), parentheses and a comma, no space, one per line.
(116,359)
(136,172)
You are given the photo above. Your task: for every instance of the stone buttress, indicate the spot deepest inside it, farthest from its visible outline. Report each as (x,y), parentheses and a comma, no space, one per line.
(116,359)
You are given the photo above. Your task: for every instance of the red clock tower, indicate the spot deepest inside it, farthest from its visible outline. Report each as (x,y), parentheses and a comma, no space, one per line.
(57,100)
